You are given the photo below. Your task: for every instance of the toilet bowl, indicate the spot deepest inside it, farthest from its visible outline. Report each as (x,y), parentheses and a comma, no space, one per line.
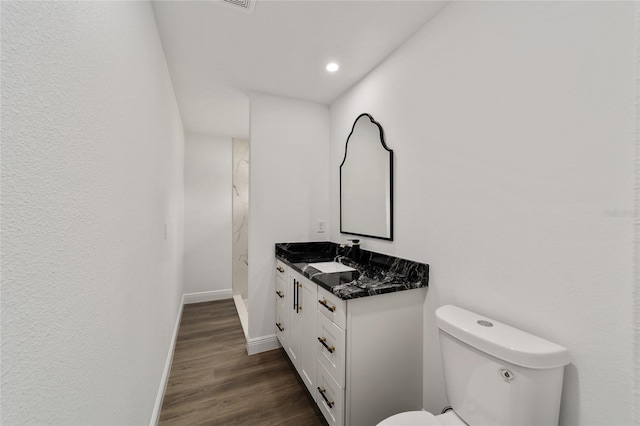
(494,375)
(423,418)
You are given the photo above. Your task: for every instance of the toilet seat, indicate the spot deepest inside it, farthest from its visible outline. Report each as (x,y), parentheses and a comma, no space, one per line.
(423,418)
(411,418)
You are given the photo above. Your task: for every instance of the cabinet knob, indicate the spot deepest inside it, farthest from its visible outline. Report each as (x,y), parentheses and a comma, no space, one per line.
(280,269)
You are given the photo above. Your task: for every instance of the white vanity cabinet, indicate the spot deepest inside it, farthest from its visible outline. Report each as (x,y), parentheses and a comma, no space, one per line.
(374,366)
(332,319)
(361,359)
(296,319)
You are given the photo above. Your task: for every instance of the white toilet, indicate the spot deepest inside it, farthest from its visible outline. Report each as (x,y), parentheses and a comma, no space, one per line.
(494,374)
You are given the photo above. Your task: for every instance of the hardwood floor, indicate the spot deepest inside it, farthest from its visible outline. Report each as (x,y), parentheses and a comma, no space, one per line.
(214,382)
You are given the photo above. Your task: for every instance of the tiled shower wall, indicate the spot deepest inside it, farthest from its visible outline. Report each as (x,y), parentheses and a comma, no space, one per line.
(240,216)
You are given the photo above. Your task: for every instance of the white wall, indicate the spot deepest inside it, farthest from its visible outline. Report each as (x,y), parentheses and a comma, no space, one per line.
(207,214)
(636,251)
(92,154)
(288,190)
(512,127)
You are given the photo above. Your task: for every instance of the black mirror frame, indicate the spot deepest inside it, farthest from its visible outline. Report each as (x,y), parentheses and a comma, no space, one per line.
(384,145)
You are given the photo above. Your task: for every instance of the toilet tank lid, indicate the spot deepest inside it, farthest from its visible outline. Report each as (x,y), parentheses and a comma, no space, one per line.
(500,340)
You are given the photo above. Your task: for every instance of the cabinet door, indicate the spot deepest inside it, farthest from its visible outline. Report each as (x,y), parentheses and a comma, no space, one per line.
(308,299)
(294,319)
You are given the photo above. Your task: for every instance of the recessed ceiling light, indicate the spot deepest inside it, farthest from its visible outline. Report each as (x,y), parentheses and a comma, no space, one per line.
(332,67)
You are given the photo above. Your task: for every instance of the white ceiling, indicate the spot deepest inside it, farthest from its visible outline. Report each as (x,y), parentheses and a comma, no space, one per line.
(217,55)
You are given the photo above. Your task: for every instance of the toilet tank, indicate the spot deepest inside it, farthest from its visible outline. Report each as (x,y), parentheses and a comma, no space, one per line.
(496,374)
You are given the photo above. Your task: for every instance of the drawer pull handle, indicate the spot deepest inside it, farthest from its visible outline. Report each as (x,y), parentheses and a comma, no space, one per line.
(295,296)
(324,302)
(280,269)
(322,391)
(298,306)
(323,340)
(279,326)
(280,294)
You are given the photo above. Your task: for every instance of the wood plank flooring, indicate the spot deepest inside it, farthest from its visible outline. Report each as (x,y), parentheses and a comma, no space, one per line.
(214,382)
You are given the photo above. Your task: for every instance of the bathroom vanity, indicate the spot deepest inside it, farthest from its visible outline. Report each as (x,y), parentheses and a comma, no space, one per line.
(353,330)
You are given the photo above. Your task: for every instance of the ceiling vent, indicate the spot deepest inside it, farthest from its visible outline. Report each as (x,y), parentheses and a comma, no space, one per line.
(244,6)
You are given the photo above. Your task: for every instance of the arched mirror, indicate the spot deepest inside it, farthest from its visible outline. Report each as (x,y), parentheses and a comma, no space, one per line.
(366,182)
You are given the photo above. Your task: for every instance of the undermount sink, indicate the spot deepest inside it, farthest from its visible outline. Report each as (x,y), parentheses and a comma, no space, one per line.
(331,267)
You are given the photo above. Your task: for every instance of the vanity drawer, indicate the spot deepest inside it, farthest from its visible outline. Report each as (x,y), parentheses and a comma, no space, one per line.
(281,326)
(281,270)
(281,288)
(331,348)
(332,307)
(330,398)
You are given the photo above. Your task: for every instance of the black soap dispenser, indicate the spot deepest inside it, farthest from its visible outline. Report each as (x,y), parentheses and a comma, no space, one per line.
(355,250)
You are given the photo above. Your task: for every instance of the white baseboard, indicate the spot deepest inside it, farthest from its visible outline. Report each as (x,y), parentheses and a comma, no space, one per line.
(207,296)
(155,416)
(262,344)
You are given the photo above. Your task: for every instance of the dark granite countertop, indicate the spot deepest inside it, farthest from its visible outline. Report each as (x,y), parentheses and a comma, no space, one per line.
(375,273)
